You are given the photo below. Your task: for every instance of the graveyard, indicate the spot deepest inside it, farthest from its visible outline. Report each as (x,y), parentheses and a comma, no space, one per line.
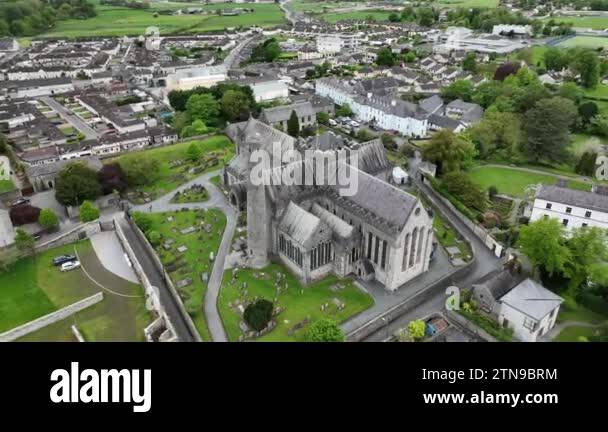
(195,193)
(186,243)
(295,306)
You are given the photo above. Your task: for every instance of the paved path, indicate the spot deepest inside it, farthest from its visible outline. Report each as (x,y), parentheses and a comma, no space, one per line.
(216,200)
(71,118)
(110,253)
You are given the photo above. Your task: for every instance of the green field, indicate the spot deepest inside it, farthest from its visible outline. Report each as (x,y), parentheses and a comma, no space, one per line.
(216,151)
(585,41)
(598,92)
(596,23)
(195,260)
(467,3)
(359,15)
(119,21)
(6,186)
(32,287)
(297,302)
(512,182)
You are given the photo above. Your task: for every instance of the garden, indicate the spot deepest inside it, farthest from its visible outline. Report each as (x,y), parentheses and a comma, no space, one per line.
(32,287)
(186,242)
(294,307)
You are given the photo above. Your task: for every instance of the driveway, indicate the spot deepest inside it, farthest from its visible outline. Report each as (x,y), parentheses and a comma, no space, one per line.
(112,256)
(71,118)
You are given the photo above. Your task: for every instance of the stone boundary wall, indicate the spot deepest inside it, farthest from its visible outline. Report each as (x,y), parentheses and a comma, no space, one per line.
(490,242)
(51,318)
(161,269)
(80,232)
(469,326)
(408,304)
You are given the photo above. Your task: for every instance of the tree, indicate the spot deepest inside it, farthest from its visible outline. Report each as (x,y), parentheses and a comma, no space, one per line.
(393,17)
(323,117)
(547,129)
(556,59)
(24,214)
(344,111)
(154,237)
(470,62)
(143,221)
(588,250)
(293,124)
(203,107)
(180,120)
(542,241)
(459,89)
(505,70)
(111,178)
(587,110)
(139,169)
(426,16)
(570,90)
(48,219)
(198,127)
(385,57)
(599,124)
(75,183)
(587,64)
(324,330)
(88,212)
(586,164)
(416,330)
(470,194)
(24,241)
(449,151)
(194,152)
(498,133)
(236,105)
(258,314)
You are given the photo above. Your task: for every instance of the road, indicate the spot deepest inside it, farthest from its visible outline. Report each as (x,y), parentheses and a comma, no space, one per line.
(216,200)
(73,119)
(232,60)
(485,262)
(291,14)
(167,299)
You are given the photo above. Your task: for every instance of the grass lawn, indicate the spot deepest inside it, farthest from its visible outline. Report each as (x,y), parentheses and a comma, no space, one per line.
(586,41)
(216,180)
(512,182)
(195,260)
(600,91)
(216,152)
(297,302)
(68,130)
(195,193)
(6,186)
(119,21)
(570,310)
(446,235)
(357,15)
(32,287)
(572,334)
(594,22)
(468,3)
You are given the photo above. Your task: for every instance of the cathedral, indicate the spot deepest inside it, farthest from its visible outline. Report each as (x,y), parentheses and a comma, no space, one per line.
(379,232)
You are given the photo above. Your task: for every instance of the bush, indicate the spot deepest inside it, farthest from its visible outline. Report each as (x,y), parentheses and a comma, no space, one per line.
(143,221)
(48,219)
(492,192)
(88,212)
(154,237)
(416,329)
(324,330)
(257,315)
(593,302)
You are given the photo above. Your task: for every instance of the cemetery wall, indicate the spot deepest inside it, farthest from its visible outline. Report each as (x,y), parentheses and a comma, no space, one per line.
(77,233)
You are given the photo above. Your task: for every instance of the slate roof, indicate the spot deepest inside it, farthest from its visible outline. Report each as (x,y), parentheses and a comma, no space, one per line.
(54,167)
(299,224)
(578,198)
(443,121)
(532,299)
(283,112)
(431,104)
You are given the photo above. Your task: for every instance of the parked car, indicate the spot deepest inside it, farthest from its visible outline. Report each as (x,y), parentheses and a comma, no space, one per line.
(333,123)
(354,124)
(61,259)
(37,236)
(70,266)
(20,201)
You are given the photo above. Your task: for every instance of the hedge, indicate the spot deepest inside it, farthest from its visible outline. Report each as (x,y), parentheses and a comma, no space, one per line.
(593,302)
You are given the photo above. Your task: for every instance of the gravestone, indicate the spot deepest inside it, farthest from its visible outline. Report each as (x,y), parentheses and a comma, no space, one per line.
(184,283)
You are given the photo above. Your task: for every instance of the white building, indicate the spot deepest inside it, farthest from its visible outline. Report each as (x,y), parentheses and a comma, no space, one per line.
(573,208)
(508,29)
(269,90)
(336,43)
(7,231)
(529,309)
(186,79)
(387,113)
(463,39)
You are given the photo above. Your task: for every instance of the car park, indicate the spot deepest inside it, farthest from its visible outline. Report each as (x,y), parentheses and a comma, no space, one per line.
(61,259)
(71,265)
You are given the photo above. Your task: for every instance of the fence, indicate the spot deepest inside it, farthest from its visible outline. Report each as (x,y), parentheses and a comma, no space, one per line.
(51,318)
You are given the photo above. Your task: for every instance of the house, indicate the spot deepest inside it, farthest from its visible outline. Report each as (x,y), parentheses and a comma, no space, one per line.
(186,79)
(466,112)
(279,116)
(517,302)
(269,90)
(35,87)
(42,177)
(573,208)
